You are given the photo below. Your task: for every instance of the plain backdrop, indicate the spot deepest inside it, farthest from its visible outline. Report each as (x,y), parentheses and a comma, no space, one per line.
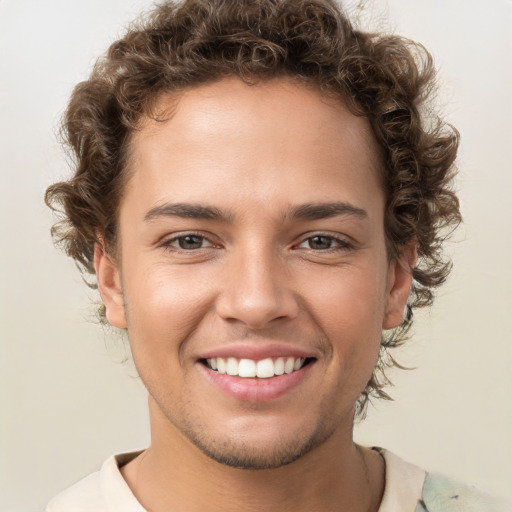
(68,401)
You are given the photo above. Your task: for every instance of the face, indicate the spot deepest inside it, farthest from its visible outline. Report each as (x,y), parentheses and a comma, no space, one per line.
(253,277)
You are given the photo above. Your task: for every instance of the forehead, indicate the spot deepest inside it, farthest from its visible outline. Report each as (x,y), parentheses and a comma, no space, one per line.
(276,141)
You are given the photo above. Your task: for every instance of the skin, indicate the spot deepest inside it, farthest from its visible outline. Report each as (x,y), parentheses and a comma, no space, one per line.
(256,275)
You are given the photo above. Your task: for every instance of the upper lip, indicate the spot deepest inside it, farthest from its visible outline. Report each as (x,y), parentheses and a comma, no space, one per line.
(258,351)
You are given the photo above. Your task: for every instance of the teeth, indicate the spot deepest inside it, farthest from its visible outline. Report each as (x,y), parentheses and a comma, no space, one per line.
(221,365)
(279,366)
(289,365)
(247,368)
(263,369)
(232,366)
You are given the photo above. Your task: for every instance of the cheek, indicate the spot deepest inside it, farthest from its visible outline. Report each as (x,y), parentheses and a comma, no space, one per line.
(348,301)
(163,306)
(349,309)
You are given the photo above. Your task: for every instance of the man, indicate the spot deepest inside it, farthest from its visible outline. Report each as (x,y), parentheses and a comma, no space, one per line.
(261,203)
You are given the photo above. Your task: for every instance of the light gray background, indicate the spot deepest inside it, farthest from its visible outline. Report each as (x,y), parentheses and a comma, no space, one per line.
(67,402)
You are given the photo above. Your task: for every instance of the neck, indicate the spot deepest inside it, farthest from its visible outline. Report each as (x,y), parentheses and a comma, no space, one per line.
(172,474)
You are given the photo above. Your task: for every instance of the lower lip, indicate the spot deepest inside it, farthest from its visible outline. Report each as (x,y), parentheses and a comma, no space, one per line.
(254,389)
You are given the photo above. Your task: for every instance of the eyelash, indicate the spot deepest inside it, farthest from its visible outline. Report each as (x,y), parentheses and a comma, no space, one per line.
(168,244)
(340,245)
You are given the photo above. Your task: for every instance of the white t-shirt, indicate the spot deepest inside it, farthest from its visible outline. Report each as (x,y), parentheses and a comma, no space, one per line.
(408,488)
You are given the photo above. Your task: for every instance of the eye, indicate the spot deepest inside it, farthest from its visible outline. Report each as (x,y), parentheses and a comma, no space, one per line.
(323,243)
(189,242)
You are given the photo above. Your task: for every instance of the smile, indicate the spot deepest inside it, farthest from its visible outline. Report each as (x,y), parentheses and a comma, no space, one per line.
(262,369)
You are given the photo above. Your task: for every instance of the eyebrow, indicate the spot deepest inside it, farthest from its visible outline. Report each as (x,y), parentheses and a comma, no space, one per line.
(186,211)
(316,211)
(307,211)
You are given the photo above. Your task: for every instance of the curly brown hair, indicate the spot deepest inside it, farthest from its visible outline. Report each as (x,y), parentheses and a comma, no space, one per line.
(178,45)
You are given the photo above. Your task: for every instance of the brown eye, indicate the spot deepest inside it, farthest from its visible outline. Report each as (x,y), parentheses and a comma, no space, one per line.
(320,242)
(189,242)
(324,242)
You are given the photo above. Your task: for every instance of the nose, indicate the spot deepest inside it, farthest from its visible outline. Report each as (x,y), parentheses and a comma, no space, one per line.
(256,290)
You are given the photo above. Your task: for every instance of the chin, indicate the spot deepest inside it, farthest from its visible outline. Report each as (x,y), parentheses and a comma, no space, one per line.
(246,456)
(261,453)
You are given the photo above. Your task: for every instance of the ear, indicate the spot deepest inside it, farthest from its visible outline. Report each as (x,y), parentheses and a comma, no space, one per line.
(109,285)
(399,285)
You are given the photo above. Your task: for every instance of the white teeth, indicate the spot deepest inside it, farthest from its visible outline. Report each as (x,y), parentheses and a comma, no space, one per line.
(289,365)
(265,368)
(248,368)
(279,366)
(232,366)
(221,365)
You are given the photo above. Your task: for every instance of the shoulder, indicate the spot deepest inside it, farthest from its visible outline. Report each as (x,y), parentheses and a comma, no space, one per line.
(102,491)
(410,488)
(404,484)
(443,494)
(84,496)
